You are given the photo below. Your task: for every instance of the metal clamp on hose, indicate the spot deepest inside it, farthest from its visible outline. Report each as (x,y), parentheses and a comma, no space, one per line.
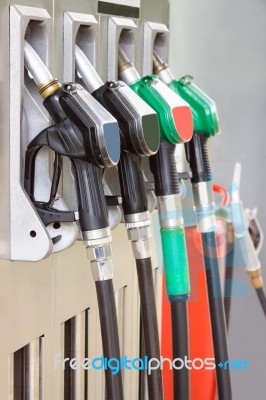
(99,252)
(204,206)
(170,211)
(140,240)
(139,233)
(101,262)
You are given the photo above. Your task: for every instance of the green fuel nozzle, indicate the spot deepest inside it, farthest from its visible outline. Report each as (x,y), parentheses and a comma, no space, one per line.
(203,108)
(175,117)
(176,126)
(206,125)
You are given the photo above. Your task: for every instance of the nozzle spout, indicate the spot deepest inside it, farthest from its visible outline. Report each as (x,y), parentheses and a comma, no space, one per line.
(123,60)
(158,64)
(35,66)
(161,68)
(86,70)
(47,85)
(126,69)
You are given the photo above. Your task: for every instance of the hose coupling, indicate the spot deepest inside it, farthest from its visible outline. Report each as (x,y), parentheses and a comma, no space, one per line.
(99,251)
(140,241)
(204,206)
(139,233)
(101,262)
(170,211)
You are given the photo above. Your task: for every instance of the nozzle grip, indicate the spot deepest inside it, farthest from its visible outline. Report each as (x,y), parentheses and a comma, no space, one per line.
(53,106)
(132,184)
(163,167)
(198,158)
(92,206)
(175,263)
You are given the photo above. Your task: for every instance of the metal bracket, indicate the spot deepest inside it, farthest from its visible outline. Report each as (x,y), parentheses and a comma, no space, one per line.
(30,241)
(120,31)
(156,37)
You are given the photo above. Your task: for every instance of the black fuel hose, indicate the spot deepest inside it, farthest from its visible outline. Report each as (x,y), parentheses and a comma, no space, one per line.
(110,339)
(198,158)
(262,299)
(180,348)
(219,331)
(149,323)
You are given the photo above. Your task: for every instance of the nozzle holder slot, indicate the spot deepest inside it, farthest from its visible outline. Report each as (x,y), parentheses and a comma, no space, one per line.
(121,31)
(30,240)
(156,37)
(83,30)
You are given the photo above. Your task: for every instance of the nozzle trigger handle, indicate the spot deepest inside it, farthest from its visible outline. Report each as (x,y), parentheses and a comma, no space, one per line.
(198,158)
(92,207)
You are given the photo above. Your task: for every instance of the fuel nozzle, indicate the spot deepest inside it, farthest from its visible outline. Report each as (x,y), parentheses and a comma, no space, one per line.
(206,124)
(203,108)
(205,120)
(175,117)
(140,137)
(89,136)
(103,148)
(138,123)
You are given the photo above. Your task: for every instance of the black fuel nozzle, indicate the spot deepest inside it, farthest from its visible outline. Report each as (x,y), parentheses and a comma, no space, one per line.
(85,133)
(198,158)
(139,130)
(140,137)
(89,136)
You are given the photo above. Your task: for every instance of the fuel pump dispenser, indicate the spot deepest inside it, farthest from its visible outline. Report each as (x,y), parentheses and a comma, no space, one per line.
(140,137)
(205,126)
(88,135)
(176,126)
